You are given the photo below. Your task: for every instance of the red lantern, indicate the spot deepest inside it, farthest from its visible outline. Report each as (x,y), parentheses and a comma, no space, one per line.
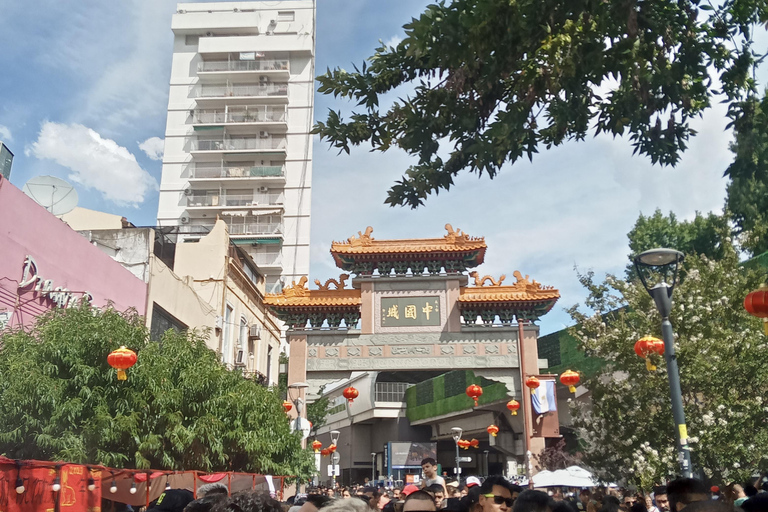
(532,383)
(646,346)
(350,394)
(287,406)
(474,392)
(121,359)
(570,378)
(332,448)
(756,304)
(493,430)
(316,445)
(463,443)
(513,405)
(714,489)
(474,443)
(324,452)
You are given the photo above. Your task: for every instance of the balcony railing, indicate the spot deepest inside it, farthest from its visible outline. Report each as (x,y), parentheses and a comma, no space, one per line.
(244,65)
(216,199)
(237,171)
(222,91)
(225,144)
(251,115)
(267,260)
(391,391)
(256,228)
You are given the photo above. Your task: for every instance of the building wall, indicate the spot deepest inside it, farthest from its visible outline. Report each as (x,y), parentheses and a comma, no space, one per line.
(63,257)
(208,32)
(81,219)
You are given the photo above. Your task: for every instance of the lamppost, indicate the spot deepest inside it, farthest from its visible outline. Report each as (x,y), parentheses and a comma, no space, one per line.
(661,262)
(294,395)
(373,469)
(335,457)
(456,434)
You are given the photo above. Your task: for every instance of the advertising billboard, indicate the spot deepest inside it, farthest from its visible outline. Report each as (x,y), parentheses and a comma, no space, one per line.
(409,455)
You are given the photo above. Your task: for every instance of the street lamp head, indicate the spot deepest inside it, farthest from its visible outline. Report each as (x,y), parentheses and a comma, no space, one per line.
(659,264)
(659,257)
(335,436)
(294,390)
(456,433)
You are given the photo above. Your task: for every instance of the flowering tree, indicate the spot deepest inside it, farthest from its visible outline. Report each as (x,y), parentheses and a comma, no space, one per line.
(627,430)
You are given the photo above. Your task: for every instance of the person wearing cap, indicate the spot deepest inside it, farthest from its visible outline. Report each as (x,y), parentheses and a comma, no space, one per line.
(472,481)
(172,500)
(408,489)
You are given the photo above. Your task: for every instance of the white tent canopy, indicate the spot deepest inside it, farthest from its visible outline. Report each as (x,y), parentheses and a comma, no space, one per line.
(573,476)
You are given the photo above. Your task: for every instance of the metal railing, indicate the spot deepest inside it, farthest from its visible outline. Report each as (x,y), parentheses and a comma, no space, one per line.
(216,199)
(251,115)
(222,91)
(237,171)
(226,144)
(267,259)
(244,65)
(256,228)
(391,391)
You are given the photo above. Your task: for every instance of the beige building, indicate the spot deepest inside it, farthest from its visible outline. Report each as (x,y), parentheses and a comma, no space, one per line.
(209,285)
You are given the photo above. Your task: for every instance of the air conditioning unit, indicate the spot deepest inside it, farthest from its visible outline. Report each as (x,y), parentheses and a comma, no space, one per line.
(209,34)
(264,79)
(184,219)
(255,332)
(219,323)
(263,134)
(236,9)
(264,189)
(240,359)
(273,22)
(187,191)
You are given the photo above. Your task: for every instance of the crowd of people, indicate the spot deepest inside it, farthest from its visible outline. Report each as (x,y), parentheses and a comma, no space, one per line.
(491,494)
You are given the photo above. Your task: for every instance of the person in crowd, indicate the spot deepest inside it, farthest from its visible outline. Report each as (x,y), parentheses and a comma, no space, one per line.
(756,503)
(638,506)
(172,500)
(583,500)
(396,493)
(750,490)
(495,495)
(345,494)
(738,495)
(347,505)
(206,503)
(314,502)
(684,491)
(660,497)
(419,501)
(610,504)
(439,493)
(533,501)
(213,488)
(248,501)
(429,467)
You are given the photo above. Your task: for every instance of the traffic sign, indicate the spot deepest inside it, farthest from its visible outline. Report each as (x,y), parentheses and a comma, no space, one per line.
(465,459)
(303,424)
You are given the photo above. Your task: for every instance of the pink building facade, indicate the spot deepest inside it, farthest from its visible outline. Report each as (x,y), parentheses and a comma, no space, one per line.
(44,264)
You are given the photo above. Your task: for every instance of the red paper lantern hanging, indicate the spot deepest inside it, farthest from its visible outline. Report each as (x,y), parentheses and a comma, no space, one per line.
(324,452)
(316,445)
(532,383)
(714,489)
(493,430)
(646,346)
(474,443)
(570,378)
(287,406)
(474,392)
(513,405)
(756,304)
(463,443)
(332,448)
(121,359)
(350,394)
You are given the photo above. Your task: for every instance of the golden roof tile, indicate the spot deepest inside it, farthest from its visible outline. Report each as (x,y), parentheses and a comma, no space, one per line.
(523,290)
(299,296)
(454,241)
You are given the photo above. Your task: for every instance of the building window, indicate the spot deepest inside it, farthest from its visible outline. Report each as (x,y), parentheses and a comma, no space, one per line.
(269,365)
(285,15)
(243,341)
(161,322)
(226,343)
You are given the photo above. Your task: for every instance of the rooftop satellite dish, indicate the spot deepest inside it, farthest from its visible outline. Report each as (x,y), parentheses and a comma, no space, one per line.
(54,194)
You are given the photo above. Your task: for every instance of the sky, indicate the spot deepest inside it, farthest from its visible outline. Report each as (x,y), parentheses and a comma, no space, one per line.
(84,92)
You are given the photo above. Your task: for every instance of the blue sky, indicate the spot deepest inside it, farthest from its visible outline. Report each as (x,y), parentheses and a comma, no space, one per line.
(84,89)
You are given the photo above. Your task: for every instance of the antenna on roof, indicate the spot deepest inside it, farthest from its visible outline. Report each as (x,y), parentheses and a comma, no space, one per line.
(54,194)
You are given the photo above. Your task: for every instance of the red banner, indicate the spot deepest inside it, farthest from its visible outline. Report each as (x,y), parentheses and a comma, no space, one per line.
(39,496)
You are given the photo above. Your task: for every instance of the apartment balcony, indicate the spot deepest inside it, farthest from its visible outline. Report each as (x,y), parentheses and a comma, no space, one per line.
(261,115)
(269,230)
(275,92)
(232,69)
(237,173)
(265,260)
(215,200)
(240,145)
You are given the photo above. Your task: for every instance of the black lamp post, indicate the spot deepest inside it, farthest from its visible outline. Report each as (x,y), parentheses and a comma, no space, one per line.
(456,434)
(662,262)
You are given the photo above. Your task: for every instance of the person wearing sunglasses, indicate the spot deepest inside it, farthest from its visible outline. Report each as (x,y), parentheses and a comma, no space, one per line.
(495,495)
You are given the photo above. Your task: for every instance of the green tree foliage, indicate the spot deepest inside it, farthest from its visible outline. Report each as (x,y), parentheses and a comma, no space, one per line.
(747,198)
(179,409)
(498,80)
(628,432)
(317,411)
(704,235)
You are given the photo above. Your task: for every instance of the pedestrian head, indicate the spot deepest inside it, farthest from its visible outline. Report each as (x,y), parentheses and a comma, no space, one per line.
(660,496)
(419,501)
(248,501)
(533,501)
(429,466)
(684,491)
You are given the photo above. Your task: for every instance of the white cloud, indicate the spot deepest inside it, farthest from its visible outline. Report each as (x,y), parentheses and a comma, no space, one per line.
(153,147)
(5,134)
(94,162)
(393,41)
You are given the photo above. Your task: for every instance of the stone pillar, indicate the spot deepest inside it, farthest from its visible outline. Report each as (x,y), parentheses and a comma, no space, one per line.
(297,366)
(453,290)
(367,312)
(530,366)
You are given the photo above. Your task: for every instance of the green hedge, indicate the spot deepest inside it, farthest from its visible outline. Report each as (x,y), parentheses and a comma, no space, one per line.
(448,394)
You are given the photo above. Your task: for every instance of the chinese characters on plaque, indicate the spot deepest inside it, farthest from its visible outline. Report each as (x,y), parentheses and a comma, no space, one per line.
(410,311)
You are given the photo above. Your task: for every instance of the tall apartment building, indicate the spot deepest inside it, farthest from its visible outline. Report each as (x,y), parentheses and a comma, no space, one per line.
(237,141)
